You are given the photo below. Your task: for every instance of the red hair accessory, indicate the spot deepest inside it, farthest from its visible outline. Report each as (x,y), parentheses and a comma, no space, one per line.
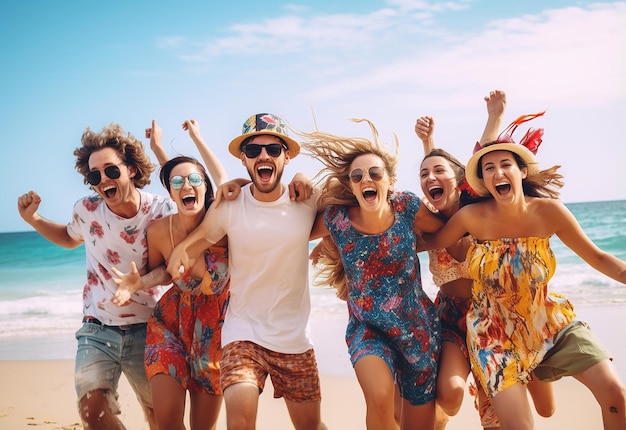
(531,140)
(465,186)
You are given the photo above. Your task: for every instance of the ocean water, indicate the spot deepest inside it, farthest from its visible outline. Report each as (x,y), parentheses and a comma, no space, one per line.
(41,283)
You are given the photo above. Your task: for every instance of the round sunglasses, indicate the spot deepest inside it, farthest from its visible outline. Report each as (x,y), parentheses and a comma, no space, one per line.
(195,180)
(375,173)
(253,150)
(94,177)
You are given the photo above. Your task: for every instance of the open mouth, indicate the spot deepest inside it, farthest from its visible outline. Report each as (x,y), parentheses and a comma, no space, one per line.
(503,188)
(189,201)
(110,192)
(369,194)
(264,172)
(435,192)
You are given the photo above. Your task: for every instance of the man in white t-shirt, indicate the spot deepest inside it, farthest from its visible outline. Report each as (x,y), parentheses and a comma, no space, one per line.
(112,225)
(266,329)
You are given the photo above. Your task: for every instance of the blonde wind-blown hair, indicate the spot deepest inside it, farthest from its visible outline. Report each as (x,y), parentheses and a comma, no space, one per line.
(336,155)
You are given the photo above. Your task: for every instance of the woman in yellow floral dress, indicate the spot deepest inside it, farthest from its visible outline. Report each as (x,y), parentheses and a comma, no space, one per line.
(514,325)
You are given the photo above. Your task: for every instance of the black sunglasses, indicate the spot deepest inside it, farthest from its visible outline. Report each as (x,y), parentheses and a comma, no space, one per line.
(375,173)
(252,150)
(94,177)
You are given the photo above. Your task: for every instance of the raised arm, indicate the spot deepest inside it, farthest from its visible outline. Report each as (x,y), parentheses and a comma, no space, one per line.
(424,129)
(155,135)
(496,104)
(216,170)
(27,205)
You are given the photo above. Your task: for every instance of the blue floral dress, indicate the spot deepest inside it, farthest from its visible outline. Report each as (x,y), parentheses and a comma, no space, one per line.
(390,315)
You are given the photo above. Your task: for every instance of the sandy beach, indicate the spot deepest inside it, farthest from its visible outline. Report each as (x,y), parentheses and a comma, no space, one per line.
(40,393)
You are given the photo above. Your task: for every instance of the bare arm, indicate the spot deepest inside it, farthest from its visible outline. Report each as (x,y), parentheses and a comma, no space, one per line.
(573,236)
(426,221)
(496,104)
(154,134)
(319,227)
(300,187)
(424,129)
(27,205)
(183,256)
(452,231)
(131,282)
(216,170)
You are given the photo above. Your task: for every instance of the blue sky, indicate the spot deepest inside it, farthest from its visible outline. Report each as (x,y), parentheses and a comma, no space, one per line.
(71,64)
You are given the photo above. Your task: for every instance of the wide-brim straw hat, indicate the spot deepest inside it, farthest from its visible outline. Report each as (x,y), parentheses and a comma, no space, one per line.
(264,123)
(473,165)
(525,149)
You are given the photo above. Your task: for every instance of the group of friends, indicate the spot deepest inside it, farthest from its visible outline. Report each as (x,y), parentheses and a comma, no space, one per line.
(207,292)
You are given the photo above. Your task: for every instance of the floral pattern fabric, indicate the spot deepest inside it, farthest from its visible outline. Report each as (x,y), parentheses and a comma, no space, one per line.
(390,315)
(184,333)
(113,241)
(513,319)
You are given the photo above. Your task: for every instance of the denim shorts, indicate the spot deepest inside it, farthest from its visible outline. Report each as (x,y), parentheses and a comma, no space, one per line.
(104,353)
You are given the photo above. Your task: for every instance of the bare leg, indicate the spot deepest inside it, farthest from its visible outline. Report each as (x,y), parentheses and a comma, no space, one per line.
(513,408)
(452,378)
(542,394)
(205,409)
(378,387)
(242,403)
(95,409)
(603,381)
(168,400)
(305,415)
(417,417)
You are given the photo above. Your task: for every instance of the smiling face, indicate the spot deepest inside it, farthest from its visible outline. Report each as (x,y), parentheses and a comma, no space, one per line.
(116,192)
(370,193)
(189,199)
(439,184)
(502,176)
(264,170)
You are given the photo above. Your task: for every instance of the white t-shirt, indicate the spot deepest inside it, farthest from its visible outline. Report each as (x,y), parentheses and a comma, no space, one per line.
(114,241)
(268,257)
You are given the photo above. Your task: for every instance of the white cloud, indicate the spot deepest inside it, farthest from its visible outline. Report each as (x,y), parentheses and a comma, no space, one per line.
(541,54)
(573,54)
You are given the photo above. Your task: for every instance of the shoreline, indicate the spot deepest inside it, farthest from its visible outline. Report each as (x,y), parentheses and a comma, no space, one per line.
(40,392)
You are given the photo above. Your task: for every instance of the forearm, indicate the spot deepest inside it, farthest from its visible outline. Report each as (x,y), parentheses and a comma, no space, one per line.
(428,144)
(492,127)
(216,170)
(155,277)
(610,265)
(53,231)
(160,154)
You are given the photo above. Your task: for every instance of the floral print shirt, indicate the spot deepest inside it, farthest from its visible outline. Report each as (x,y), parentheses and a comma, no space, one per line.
(114,241)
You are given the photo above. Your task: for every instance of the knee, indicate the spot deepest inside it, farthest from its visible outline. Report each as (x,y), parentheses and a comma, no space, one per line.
(545,410)
(379,398)
(450,399)
(96,407)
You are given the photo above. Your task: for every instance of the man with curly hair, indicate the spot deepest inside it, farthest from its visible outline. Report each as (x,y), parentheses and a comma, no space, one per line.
(112,225)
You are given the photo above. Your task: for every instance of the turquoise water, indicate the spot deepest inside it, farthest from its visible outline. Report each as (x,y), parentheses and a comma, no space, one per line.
(41,283)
